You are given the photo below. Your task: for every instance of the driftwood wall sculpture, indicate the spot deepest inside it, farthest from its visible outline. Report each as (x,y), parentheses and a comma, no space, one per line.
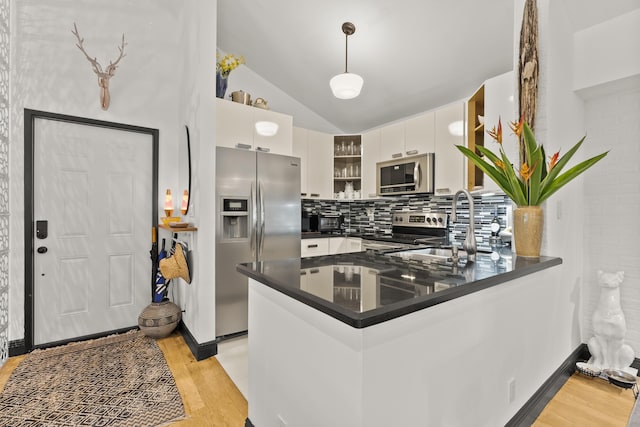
(528,65)
(103,75)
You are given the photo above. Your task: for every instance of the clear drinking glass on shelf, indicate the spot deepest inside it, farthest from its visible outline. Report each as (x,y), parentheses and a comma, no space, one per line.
(343,151)
(350,171)
(351,149)
(356,170)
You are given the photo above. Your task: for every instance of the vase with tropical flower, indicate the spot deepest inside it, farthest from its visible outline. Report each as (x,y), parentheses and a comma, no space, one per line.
(531,184)
(224,67)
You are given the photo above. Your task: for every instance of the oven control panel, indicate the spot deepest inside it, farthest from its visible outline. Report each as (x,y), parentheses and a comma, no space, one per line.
(420,219)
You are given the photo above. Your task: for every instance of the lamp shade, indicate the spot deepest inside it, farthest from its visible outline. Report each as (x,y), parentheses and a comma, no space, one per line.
(168,203)
(346,85)
(184,205)
(265,128)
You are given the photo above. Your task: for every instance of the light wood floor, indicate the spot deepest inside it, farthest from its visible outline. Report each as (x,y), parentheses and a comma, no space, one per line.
(587,402)
(211,399)
(209,396)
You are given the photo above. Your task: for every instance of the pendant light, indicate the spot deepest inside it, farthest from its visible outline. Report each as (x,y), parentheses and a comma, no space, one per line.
(346,85)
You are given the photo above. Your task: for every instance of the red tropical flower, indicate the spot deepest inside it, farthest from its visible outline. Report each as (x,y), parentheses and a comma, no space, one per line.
(526,171)
(553,160)
(496,134)
(516,127)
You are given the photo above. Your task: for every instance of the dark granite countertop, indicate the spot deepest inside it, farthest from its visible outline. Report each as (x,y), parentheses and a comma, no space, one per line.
(365,288)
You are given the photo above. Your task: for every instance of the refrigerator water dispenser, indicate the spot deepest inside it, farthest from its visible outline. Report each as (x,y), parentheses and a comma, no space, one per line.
(235,219)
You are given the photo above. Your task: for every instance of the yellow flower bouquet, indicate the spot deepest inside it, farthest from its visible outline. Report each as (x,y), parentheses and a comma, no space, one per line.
(227,64)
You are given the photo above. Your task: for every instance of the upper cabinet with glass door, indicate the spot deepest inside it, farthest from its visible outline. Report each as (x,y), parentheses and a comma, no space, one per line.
(347,166)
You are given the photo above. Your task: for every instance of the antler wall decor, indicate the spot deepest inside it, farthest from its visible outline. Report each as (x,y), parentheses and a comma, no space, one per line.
(103,76)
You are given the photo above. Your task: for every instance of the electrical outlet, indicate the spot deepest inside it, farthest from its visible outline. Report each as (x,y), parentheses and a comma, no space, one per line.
(512,389)
(281,421)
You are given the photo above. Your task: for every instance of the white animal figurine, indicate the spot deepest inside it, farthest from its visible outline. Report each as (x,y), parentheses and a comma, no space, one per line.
(607,348)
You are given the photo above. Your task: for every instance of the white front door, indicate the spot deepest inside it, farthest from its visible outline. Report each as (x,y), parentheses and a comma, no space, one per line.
(93,186)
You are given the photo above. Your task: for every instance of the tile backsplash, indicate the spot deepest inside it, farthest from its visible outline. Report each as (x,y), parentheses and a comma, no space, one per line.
(374,215)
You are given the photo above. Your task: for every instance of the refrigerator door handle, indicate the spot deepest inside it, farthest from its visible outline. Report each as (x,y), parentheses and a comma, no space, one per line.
(261,196)
(254,221)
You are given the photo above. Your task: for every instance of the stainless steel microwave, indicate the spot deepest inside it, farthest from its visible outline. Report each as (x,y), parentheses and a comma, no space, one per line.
(408,175)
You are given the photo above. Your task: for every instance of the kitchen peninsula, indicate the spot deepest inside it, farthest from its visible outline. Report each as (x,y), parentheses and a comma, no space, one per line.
(367,339)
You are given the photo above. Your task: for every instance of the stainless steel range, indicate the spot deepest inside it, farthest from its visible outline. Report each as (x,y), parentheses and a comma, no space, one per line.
(410,229)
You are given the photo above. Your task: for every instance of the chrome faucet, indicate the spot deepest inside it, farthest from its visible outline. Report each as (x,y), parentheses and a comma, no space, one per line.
(469,244)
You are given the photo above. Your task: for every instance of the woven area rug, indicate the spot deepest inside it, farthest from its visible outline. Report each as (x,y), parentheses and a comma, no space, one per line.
(121,380)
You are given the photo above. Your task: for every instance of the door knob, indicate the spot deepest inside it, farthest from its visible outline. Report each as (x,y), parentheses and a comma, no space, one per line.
(42,250)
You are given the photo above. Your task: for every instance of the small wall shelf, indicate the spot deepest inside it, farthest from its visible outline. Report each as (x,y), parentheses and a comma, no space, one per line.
(177,229)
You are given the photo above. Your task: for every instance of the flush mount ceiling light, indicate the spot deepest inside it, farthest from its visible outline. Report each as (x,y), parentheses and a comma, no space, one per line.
(346,85)
(266,128)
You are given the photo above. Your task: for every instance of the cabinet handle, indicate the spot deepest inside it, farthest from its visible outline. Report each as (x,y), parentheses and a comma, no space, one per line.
(443,190)
(312,246)
(396,155)
(303,194)
(263,149)
(243,146)
(412,152)
(315,194)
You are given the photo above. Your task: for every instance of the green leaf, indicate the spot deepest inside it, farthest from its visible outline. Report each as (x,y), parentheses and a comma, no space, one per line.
(566,177)
(562,161)
(518,188)
(494,173)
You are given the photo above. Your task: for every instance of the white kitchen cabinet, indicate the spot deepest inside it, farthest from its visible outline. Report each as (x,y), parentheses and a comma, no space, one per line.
(319,165)
(353,244)
(449,161)
(343,245)
(409,137)
(329,246)
(392,141)
(370,156)
(314,247)
(235,128)
(234,124)
(499,94)
(315,150)
(281,142)
(420,134)
(300,149)
(336,245)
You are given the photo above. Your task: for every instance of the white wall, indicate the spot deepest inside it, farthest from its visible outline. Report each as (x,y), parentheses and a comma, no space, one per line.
(611,220)
(607,77)
(49,73)
(197,110)
(591,222)
(608,51)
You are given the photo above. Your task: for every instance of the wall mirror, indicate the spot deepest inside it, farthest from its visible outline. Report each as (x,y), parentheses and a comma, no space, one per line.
(184,171)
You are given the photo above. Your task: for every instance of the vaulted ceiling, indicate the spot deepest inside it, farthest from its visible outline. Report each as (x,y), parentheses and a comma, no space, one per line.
(414,55)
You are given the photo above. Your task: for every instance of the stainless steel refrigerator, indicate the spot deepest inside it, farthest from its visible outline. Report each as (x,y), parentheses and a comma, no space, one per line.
(257,218)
